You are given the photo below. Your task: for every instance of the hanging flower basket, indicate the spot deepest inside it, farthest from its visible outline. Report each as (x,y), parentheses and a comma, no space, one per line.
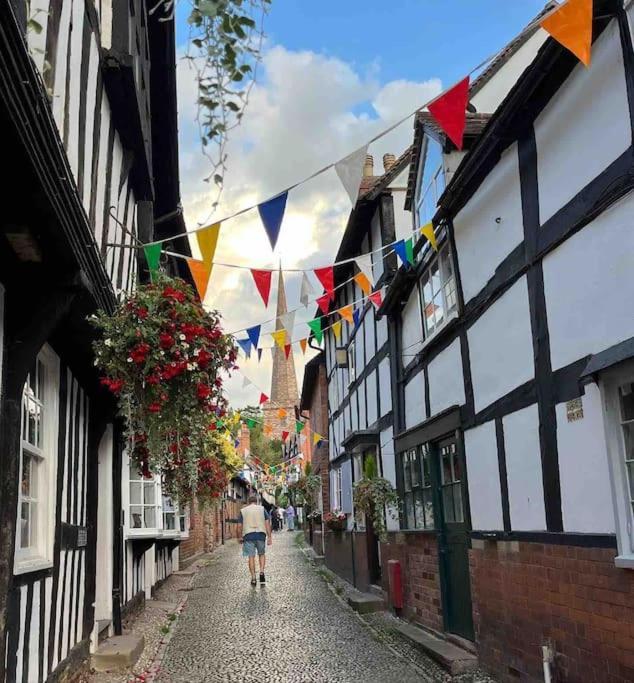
(163,356)
(336,520)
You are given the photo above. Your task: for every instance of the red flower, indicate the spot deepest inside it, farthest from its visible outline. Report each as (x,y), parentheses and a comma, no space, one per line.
(154,407)
(218,382)
(154,378)
(142,313)
(171,293)
(139,353)
(203,391)
(166,341)
(115,385)
(203,359)
(212,427)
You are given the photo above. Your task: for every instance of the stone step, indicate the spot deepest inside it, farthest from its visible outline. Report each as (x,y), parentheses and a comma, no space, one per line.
(364,603)
(118,653)
(454,659)
(377,590)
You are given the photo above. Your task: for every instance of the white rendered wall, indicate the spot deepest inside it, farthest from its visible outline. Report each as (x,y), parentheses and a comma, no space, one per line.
(402,218)
(524,470)
(373,407)
(388,462)
(412,327)
(586,497)
(385,386)
(584,127)
(446,382)
(589,287)
(485,497)
(377,259)
(381,332)
(482,243)
(415,401)
(501,347)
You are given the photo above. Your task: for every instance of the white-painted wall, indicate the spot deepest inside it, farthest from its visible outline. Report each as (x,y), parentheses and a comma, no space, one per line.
(415,411)
(377,259)
(589,287)
(501,347)
(446,381)
(412,327)
(485,497)
(385,387)
(373,408)
(481,242)
(524,470)
(590,105)
(586,497)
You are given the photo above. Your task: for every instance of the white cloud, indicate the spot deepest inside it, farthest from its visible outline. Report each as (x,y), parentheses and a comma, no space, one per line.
(306,111)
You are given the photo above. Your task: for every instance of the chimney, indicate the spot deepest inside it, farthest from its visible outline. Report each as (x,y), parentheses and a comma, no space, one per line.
(368,166)
(388,161)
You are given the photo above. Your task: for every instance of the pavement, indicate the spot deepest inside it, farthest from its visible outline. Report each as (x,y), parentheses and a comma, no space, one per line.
(293,630)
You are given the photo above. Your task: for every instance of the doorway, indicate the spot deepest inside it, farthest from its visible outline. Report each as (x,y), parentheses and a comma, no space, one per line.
(371,467)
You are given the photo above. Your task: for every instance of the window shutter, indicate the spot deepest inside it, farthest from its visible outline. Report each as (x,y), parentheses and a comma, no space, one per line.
(346,486)
(332,490)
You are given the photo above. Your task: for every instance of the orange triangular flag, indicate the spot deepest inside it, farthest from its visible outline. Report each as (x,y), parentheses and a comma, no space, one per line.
(346,313)
(450,111)
(281,413)
(363,282)
(571,25)
(268,429)
(302,343)
(200,274)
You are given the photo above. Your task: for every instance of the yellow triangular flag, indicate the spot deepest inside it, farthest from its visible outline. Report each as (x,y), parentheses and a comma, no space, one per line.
(428,231)
(207,241)
(336,329)
(302,343)
(363,282)
(279,336)
(316,438)
(571,25)
(346,313)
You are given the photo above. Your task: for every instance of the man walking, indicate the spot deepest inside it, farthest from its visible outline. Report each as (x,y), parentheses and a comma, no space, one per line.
(290,517)
(254,530)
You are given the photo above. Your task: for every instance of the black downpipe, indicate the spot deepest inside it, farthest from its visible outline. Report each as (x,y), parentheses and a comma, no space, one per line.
(117,527)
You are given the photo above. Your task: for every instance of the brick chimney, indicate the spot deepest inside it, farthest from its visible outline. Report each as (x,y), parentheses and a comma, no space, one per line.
(245,440)
(388,161)
(368,166)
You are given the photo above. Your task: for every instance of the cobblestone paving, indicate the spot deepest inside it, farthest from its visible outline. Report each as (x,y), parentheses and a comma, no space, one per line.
(294,630)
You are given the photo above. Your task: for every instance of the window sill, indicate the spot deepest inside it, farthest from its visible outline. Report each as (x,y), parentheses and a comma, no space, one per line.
(35,565)
(438,332)
(169,533)
(143,533)
(624,561)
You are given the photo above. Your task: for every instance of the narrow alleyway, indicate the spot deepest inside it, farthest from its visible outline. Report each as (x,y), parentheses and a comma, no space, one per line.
(293,630)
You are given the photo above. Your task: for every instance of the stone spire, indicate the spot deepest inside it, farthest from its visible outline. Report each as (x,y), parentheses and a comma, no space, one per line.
(284,393)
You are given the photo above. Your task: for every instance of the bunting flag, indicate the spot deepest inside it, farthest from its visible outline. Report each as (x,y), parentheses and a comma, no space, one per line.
(281,413)
(315,326)
(356,316)
(364,283)
(350,172)
(428,231)
(327,278)
(250,423)
(279,337)
(450,111)
(254,335)
(212,427)
(307,293)
(263,398)
(409,250)
(207,241)
(246,382)
(284,436)
(262,280)
(317,438)
(571,25)
(302,343)
(259,355)
(401,251)
(200,275)
(376,298)
(346,312)
(299,425)
(272,213)
(153,257)
(245,344)
(336,329)
(324,303)
(288,321)
(364,264)
(267,429)
(287,350)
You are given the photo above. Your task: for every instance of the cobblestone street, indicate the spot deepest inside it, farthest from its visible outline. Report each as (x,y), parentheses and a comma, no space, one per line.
(295,629)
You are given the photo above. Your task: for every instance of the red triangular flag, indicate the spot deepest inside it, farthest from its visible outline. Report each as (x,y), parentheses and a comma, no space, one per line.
(263,398)
(450,111)
(376,298)
(324,302)
(284,436)
(327,278)
(287,350)
(263,283)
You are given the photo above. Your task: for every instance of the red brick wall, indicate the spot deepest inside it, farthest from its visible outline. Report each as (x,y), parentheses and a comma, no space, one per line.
(418,555)
(525,594)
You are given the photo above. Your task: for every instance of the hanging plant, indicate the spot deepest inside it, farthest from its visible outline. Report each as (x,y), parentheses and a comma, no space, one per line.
(163,356)
(336,520)
(372,495)
(305,488)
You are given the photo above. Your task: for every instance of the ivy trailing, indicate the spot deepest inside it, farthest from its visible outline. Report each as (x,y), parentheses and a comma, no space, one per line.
(373,495)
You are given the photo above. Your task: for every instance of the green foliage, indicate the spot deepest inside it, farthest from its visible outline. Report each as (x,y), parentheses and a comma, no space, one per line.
(267,450)
(370,470)
(372,496)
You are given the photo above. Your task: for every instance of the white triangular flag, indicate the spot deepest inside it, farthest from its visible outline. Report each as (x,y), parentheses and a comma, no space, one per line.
(288,322)
(246,382)
(364,264)
(308,291)
(350,172)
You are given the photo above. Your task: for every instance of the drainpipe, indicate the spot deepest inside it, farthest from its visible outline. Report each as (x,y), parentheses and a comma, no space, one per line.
(117,530)
(548,657)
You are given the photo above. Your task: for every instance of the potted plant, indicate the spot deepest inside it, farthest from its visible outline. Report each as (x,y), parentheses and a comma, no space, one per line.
(336,520)
(373,495)
(315,517)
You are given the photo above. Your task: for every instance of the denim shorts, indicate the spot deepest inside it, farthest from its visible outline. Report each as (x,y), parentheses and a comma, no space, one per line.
(249,548)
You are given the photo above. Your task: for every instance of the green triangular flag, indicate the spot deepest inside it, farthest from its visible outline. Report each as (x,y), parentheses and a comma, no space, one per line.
(153,256)
(409,250)
(315,326)
(250,422)
(220,423)
(299,426)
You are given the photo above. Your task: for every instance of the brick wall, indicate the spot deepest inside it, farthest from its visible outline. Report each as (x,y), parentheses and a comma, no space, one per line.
(418,555)
(195,544)
(525,594)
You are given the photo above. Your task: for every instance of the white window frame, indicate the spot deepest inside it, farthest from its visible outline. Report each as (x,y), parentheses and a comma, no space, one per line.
(609,385)
(352,362)
(445,281)
(41,555)
(183,521)
(336,488)
(421,194)
(135,532)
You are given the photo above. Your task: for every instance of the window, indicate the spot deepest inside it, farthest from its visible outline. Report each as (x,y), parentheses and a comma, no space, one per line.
(451,483)
(38,464)
(431,181)
(438,292)
(169,514)
(143,500)
(183,520)
(352,372)
(417,496)
(336,489)
(626,420)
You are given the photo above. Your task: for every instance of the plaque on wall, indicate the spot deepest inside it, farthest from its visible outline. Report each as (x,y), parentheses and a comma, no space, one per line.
(574,410)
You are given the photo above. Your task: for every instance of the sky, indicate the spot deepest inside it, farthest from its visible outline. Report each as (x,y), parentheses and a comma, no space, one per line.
(333,75)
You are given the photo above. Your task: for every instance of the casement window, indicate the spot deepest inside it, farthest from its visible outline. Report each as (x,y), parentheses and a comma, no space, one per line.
(336,489)
(430,183)
(183,520)
(169,514)
(352,369)
(416,488)
(144,500)
(38,465)
(438,292)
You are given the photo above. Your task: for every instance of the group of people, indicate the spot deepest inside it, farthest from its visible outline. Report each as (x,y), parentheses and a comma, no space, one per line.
(281,516)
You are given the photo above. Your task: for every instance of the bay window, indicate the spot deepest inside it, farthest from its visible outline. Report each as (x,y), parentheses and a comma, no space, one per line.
(144,497)
(438,292)
(416,488)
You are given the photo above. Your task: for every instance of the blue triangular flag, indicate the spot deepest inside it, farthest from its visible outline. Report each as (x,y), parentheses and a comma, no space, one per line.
(355,316)
(236,443)
(259,355)
(272,213)
(246,346)
(254,335)
(401,250)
